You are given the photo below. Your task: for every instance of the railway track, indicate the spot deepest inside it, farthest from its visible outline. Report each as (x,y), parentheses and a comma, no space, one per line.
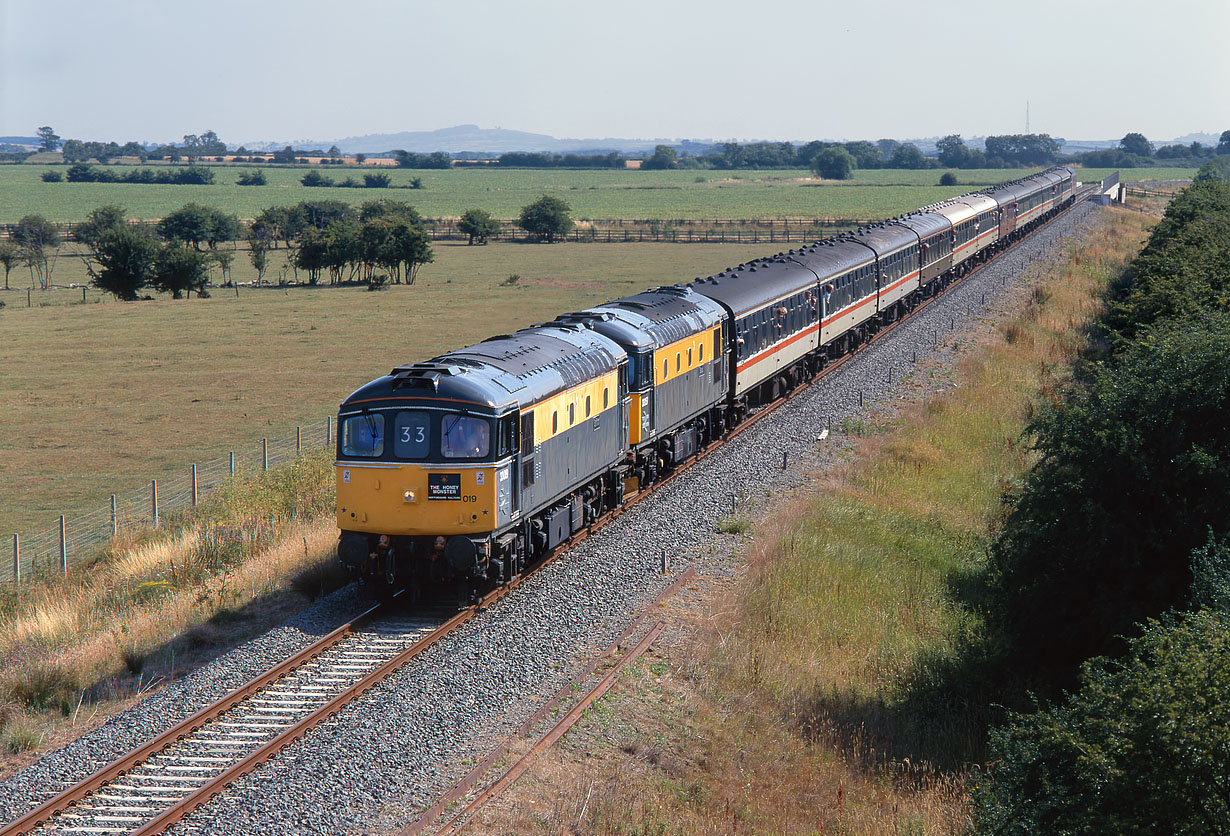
(164,780)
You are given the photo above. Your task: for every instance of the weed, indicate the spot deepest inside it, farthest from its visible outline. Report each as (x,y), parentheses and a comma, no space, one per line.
(733,525)
(21,733)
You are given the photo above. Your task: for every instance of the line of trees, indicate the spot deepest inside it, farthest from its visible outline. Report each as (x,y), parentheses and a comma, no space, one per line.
(194,176)
(376,180)
(1117,547)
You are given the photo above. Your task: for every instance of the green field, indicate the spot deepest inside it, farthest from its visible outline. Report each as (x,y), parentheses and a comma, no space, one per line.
(664,195)
(99,398)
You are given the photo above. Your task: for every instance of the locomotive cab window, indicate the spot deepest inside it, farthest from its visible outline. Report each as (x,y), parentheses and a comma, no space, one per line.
(464,437)
(363,436)
(412,435)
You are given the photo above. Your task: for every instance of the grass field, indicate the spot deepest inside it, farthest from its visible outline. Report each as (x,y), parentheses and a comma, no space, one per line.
(102,397)
(877,193)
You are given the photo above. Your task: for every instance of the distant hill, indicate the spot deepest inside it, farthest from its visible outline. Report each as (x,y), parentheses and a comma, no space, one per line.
(472,138)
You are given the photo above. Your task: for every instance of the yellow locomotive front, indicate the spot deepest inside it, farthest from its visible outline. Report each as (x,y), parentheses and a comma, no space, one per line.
(422,489)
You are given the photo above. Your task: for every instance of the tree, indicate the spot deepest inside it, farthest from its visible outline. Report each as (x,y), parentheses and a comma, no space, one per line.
(101,220)
(952,151)
(1022,149)
(1134,467)
(546,218)
(834,163)
(47,139)
(37,235)
(1217,168)
(386,208)
(664,157)
(124,259)
(907,155)
(360,158)
(260,239)
(195,224)
(948,179)
(379,180)
(180,270)
(477,224)
(1135,143)
(11,255)
(1140,749)
(1223,144)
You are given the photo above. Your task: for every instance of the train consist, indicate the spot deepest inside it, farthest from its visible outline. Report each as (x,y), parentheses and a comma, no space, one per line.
(463,470)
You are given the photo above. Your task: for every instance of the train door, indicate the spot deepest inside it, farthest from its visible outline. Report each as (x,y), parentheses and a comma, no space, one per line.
(624,403)
(1007,219)
(529,460)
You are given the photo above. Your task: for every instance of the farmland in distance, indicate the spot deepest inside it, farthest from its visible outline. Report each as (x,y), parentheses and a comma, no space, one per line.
(610,194)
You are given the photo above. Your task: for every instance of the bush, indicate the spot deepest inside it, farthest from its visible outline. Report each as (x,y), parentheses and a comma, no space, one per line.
(314,179)
(1134,469)
(1141,748)
(252,178)
(948,179)
(53,176)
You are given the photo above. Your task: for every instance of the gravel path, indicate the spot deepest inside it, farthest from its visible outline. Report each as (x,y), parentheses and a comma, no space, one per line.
(393,751)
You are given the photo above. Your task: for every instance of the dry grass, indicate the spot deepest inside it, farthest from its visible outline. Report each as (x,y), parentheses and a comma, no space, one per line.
(825,693)
(161,603)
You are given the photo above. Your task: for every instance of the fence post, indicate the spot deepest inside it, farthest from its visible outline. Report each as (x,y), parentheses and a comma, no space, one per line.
(328,428)
(194,491)
(63,548)
(153,494)
(232,464)
(264,454)
(298,439)
(115,520)
(16,560)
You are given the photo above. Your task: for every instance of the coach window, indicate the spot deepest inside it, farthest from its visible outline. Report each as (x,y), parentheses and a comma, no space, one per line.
(700,358)
(689,358)
(665,368)
(587,408)
(554,422)
(572,414)
(606,397)
(678,362)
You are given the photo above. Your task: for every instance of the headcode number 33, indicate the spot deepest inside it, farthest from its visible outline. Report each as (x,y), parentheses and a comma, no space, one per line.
(419,434)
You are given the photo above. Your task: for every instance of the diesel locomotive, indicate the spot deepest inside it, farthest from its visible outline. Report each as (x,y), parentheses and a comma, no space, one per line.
(460,471)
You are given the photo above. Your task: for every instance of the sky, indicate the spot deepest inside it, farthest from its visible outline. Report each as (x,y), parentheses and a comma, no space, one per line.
(758,69)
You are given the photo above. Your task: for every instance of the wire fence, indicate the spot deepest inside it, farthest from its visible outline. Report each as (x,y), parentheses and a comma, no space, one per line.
(77,536)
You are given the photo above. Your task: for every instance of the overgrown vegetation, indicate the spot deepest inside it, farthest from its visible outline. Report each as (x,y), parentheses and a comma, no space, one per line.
(158,602)
(1115,545)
